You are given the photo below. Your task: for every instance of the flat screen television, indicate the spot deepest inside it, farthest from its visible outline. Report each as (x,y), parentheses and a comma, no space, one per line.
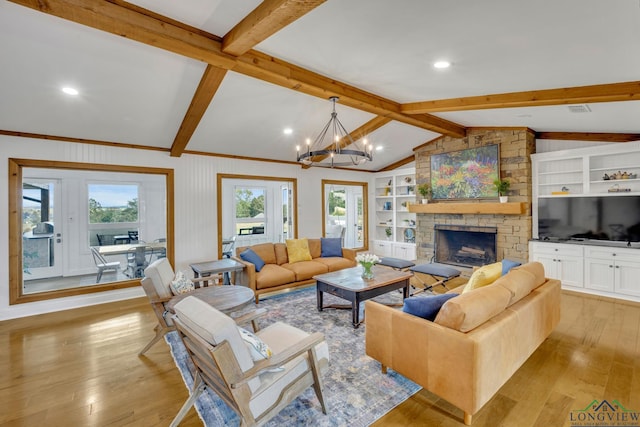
(600,218)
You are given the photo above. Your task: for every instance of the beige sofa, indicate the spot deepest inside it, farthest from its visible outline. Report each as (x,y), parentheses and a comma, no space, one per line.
(278,273)
(477,340)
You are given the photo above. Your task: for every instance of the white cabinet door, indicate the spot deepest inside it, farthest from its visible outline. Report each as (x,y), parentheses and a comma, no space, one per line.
(627,278)
(560,261)
(382,248)
(548,262)
(570,270)
(599,274)
(407,252)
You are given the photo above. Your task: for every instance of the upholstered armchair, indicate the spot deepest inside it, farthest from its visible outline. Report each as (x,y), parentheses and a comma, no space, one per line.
(256,388)
(156,284)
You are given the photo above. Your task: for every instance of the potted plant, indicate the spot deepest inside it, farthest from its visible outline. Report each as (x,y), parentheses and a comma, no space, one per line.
(389,232)
(502,186)
(425,191)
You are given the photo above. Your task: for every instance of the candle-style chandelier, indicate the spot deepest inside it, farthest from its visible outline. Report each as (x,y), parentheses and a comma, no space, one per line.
(334,146)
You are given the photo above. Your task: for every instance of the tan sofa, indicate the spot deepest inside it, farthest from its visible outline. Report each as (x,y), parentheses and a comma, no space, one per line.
(477,341)
(278,273)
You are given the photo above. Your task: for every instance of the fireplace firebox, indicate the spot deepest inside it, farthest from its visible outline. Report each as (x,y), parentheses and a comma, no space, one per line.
(465,246)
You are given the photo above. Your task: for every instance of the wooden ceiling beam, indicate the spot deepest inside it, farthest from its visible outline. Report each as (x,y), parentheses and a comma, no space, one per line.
(207,88)
(281,73)
(120,19)
(361,132)
(265,20)
(626,91)
(131,23)
(589,136)
(398,164)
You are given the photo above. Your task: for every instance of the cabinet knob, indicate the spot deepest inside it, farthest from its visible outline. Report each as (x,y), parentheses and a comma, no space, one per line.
(614,254)
(611,266)
(617,266)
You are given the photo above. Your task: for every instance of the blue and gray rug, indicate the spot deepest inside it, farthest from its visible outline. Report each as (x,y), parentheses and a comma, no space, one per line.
(356,391)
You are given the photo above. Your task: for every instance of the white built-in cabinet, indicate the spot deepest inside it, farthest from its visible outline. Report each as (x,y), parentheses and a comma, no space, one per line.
(394,227)
(599,269)
(613,270)
(561,261)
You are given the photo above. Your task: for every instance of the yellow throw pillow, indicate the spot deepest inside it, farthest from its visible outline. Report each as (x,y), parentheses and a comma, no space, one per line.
(484,276)
(298,250)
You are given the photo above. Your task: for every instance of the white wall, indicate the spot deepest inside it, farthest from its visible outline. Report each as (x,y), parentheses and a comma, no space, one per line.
(195,204)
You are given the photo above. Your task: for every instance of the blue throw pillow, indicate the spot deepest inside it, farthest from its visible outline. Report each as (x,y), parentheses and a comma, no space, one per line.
(426,307)
(252,257)
(507,265)
(331,246)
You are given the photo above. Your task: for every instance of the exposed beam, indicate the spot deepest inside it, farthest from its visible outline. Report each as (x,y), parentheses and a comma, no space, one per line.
(627,91)
(425,144)
(265,20)
(19,134)
(135,23)
(281,73)
(361,132)
(147,28)
(208,87)
(399,163)
(589,136)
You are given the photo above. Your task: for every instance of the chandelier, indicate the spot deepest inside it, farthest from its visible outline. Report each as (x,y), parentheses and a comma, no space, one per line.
(339,149)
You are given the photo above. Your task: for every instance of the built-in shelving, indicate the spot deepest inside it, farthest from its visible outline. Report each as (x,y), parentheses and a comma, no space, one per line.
(594,268)
(394,192)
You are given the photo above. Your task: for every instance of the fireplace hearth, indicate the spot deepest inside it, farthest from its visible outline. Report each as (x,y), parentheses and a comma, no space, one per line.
(465,246)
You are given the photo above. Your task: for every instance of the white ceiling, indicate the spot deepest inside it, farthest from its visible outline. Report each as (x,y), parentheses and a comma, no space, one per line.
(132,93)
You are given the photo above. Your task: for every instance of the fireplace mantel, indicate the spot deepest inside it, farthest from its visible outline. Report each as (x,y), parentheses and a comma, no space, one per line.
(509,208)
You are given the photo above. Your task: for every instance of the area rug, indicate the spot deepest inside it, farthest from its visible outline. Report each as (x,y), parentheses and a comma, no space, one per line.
(356,391)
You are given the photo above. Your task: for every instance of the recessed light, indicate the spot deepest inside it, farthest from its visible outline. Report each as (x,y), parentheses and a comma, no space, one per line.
(288,131)
(70,91)
(442,64)
(379,148)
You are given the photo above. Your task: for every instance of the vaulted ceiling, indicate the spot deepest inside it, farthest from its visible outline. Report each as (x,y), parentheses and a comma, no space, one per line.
(226,77)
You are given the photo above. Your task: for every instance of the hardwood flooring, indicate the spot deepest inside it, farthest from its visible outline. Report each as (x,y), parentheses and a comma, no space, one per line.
(80,368)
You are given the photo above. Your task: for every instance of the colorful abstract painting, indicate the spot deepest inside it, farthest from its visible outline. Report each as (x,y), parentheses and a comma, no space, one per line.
(465,174)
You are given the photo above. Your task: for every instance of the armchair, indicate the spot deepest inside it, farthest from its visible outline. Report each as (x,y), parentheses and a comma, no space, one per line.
(158,277)
(255,390)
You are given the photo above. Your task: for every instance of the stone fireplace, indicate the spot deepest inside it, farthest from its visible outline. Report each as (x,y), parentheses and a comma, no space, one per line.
(513,231)
(465,246)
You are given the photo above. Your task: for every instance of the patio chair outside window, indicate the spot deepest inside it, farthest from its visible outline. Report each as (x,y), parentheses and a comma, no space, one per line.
(103,264)
(138,258)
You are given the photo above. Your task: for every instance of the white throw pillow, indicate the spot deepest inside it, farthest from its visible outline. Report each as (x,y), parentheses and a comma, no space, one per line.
(181,284)
(259,349)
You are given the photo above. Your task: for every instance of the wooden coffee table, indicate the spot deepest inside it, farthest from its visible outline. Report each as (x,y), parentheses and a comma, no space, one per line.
(348,284)
(223,298)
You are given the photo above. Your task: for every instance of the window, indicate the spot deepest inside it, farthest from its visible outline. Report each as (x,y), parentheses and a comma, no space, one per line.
(51,229)
(113,213)
(113,203)
(250,210)
(256,209)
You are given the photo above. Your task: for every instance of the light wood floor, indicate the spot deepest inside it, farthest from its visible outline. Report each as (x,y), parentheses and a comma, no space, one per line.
(80,368)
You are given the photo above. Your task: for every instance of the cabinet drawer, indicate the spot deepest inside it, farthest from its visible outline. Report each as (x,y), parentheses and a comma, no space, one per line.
(556,249)
(612,254)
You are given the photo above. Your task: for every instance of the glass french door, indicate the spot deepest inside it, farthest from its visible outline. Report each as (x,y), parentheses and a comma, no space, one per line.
(41,228)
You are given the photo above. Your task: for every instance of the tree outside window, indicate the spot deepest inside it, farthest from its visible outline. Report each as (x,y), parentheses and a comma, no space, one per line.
(111,203)
(250,212)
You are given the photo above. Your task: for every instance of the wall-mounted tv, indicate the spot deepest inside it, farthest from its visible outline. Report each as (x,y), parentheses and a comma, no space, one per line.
(601,218)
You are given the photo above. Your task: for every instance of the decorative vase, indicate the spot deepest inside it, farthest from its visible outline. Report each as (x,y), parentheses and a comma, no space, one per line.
(425,201)
(367,273)
(503,199)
